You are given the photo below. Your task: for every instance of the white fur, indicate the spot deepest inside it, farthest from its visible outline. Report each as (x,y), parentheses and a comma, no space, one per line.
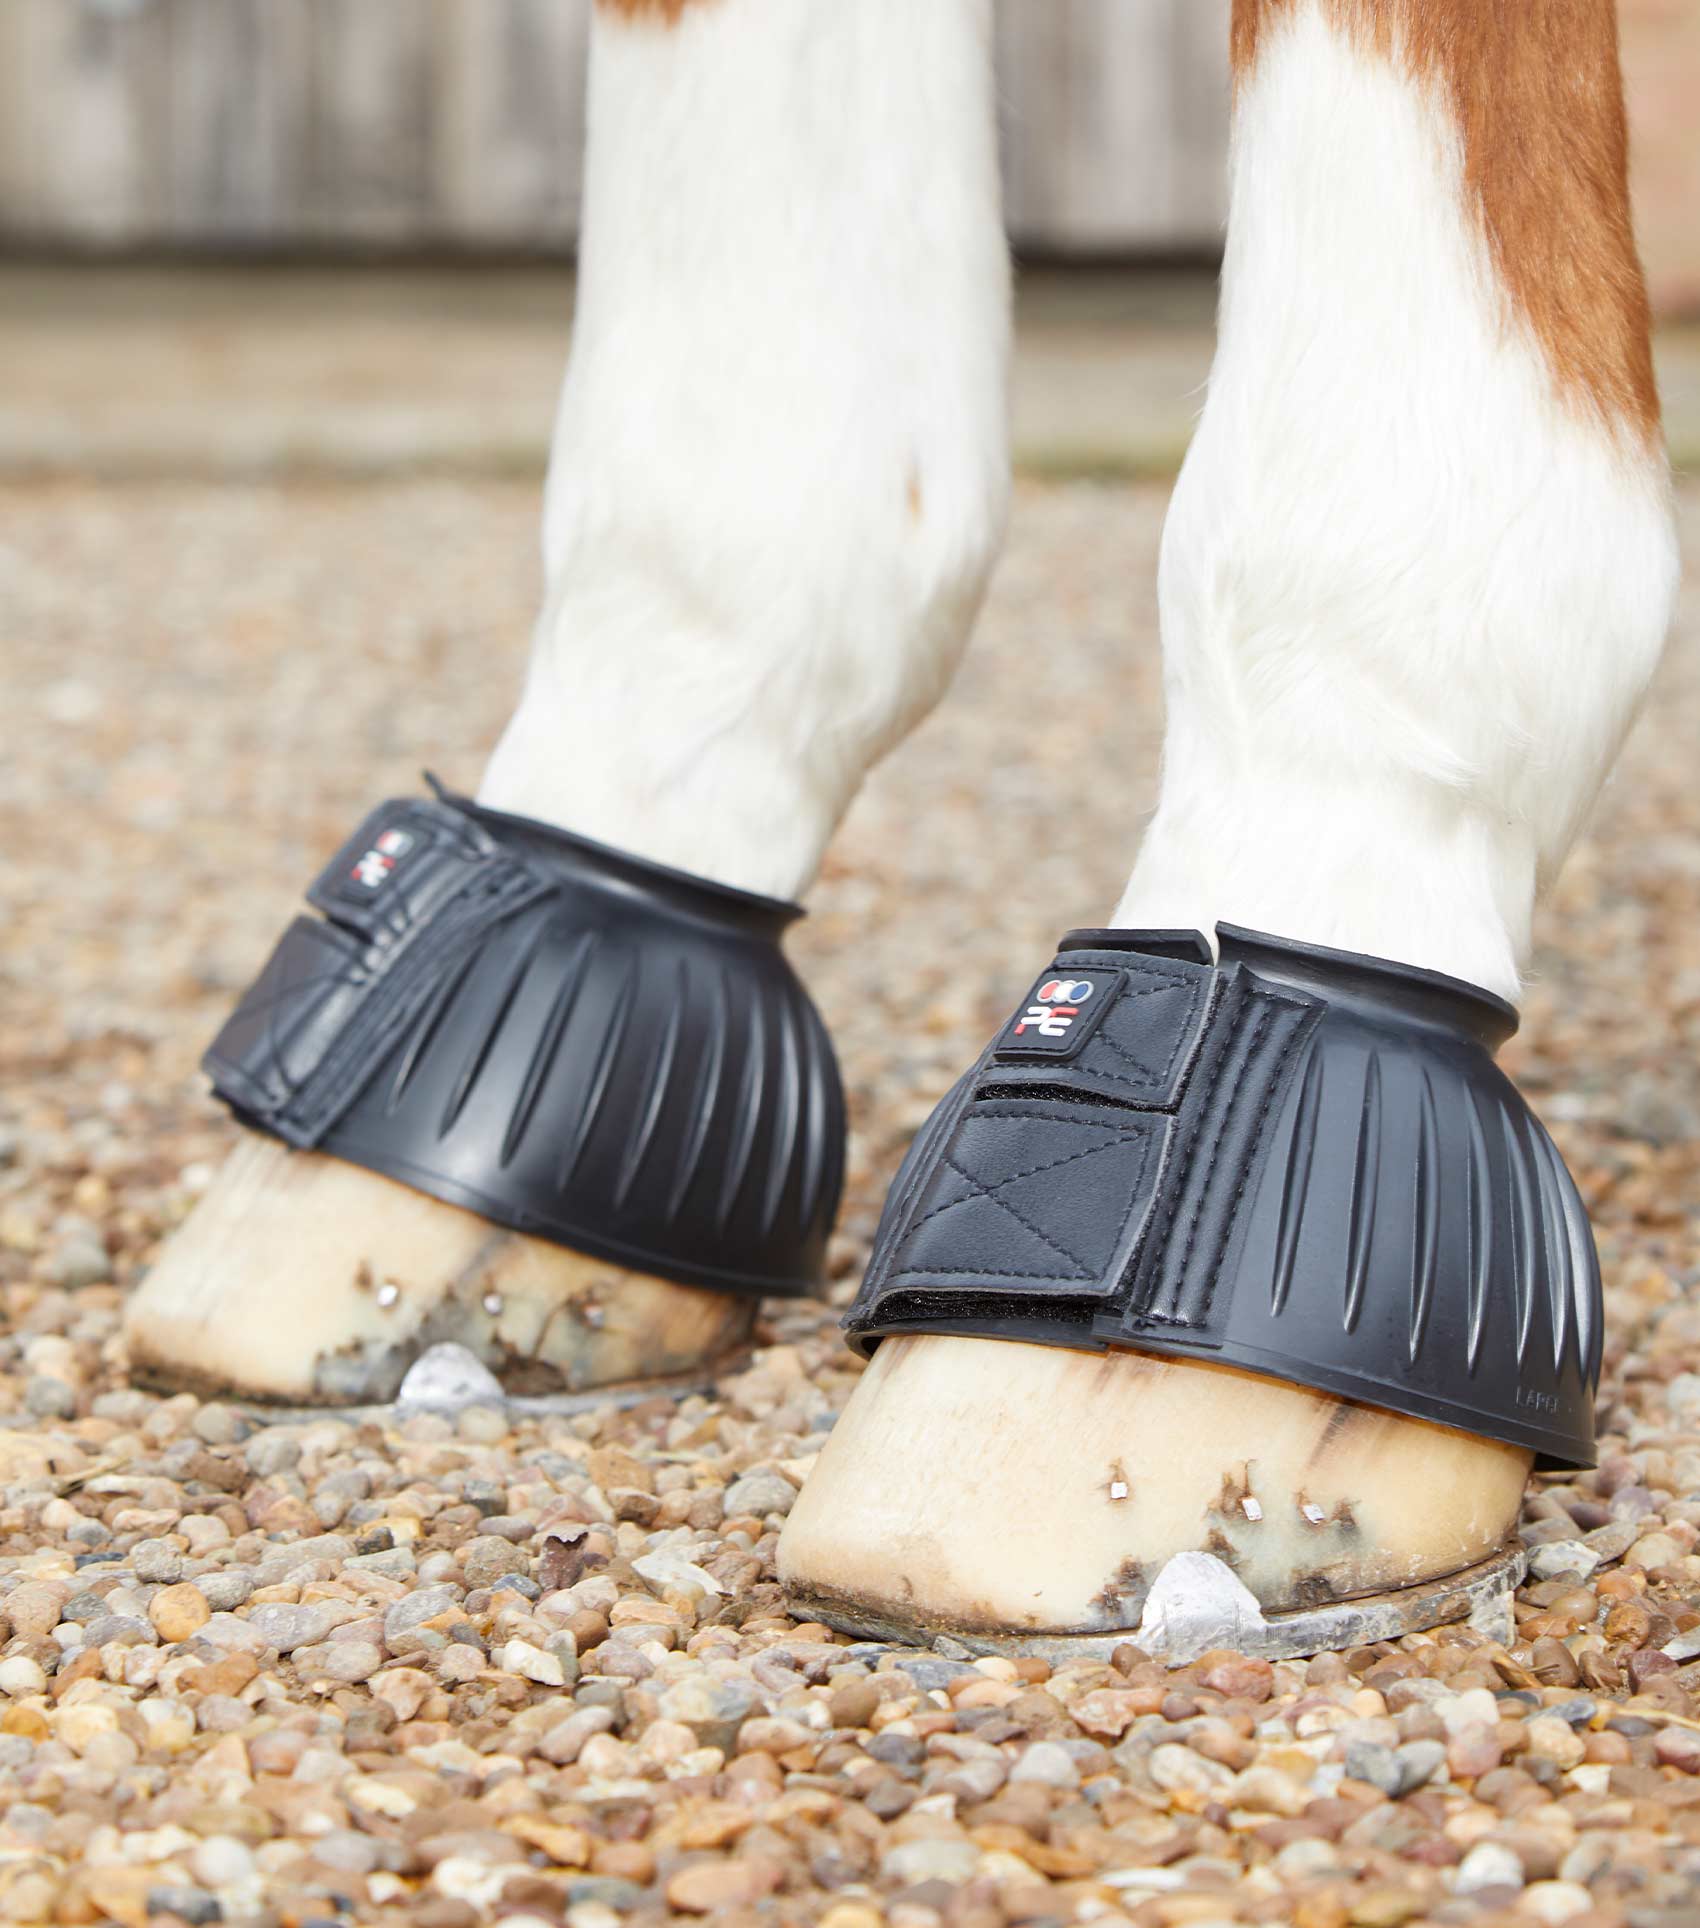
(779,466)
(1409,597)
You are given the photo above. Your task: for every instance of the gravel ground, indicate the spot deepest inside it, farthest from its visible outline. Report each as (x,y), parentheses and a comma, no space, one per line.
(439,1671)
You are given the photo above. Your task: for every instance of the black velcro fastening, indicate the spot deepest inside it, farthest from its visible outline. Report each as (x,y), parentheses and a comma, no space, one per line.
(295,1052)
(1096,1157)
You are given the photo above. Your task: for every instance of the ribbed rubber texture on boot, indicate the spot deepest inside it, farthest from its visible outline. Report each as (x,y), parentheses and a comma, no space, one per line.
(570,1041)
(1297,1161)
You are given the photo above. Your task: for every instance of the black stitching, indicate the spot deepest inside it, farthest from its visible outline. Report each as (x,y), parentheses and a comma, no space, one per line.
(1250,1159)
(1081,1267)
(1225,1019)
(1135,1189)
(1031,1171)
(1210,1164)
(1149,1079)
(983,1271)
(1054,1117)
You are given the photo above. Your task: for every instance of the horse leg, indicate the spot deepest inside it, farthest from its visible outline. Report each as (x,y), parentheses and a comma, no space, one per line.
(1415,577)
(775,489)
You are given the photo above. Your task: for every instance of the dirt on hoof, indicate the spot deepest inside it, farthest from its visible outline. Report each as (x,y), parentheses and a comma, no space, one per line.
(508,1664)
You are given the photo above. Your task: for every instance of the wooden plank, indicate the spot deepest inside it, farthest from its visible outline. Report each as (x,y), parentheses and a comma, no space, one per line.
(20,185)
(1106,121)
(508,128)
(238,121)
(86,97)
(369,120)
(1198,126)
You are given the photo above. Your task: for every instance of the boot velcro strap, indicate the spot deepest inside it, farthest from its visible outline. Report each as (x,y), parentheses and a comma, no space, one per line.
(404,903)
(1117,1077)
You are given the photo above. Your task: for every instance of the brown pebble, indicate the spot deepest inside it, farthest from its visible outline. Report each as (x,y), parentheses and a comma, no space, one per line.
(708,1886)
(1553,1664)
(179,1612)
(1239,1676)
(853,1705)
(1648,1665)
(1474,1752)
(613,1467)
(33,1609)
(1678,1747)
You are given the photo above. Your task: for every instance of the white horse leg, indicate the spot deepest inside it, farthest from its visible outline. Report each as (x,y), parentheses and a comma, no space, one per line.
(1416,574)
(776,487)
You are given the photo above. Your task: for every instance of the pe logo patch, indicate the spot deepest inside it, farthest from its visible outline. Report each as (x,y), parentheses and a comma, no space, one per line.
(1059,1014)
(376,864)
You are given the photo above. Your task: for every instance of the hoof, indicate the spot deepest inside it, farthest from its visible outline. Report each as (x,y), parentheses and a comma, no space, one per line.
(303,1280)
(1026,1498)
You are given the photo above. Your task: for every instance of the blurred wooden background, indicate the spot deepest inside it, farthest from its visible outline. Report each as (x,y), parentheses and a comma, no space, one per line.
(430,125)
(423,124)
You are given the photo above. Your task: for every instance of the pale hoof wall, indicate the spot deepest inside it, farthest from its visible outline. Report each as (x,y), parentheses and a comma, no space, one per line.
(303,1280)
(1022,1498)
(1206,1609)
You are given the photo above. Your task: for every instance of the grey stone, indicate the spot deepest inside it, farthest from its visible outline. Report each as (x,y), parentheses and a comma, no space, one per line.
(713,1710)
(193,1905)
(347,1851)
(913,1862)
(78,1262)
(1489,1864)
(976,1780)
(1379,1766)
(396,1563)
(287,1627)
(411,1612)
(415,1608)
(1197,1603)
(1559,1557)
(222,1714)
(929,1671)
(120,1630)
(1612,1541)
(607,1889)
(486,1559)
(272,1450)
(1048,1763)
(342,1660)
(1172,1765)
(229,1631)
(227,1588)
(1419,1762)
(760,1494)
(279,1562)
(445,1379)
(563,1743)
(157,1562)
(124,1404)
(1682,1400)
(49,1398)
(218,1425)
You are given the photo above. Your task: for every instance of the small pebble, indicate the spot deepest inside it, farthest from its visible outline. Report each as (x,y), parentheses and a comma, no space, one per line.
(179,1612)
(1488,1865)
